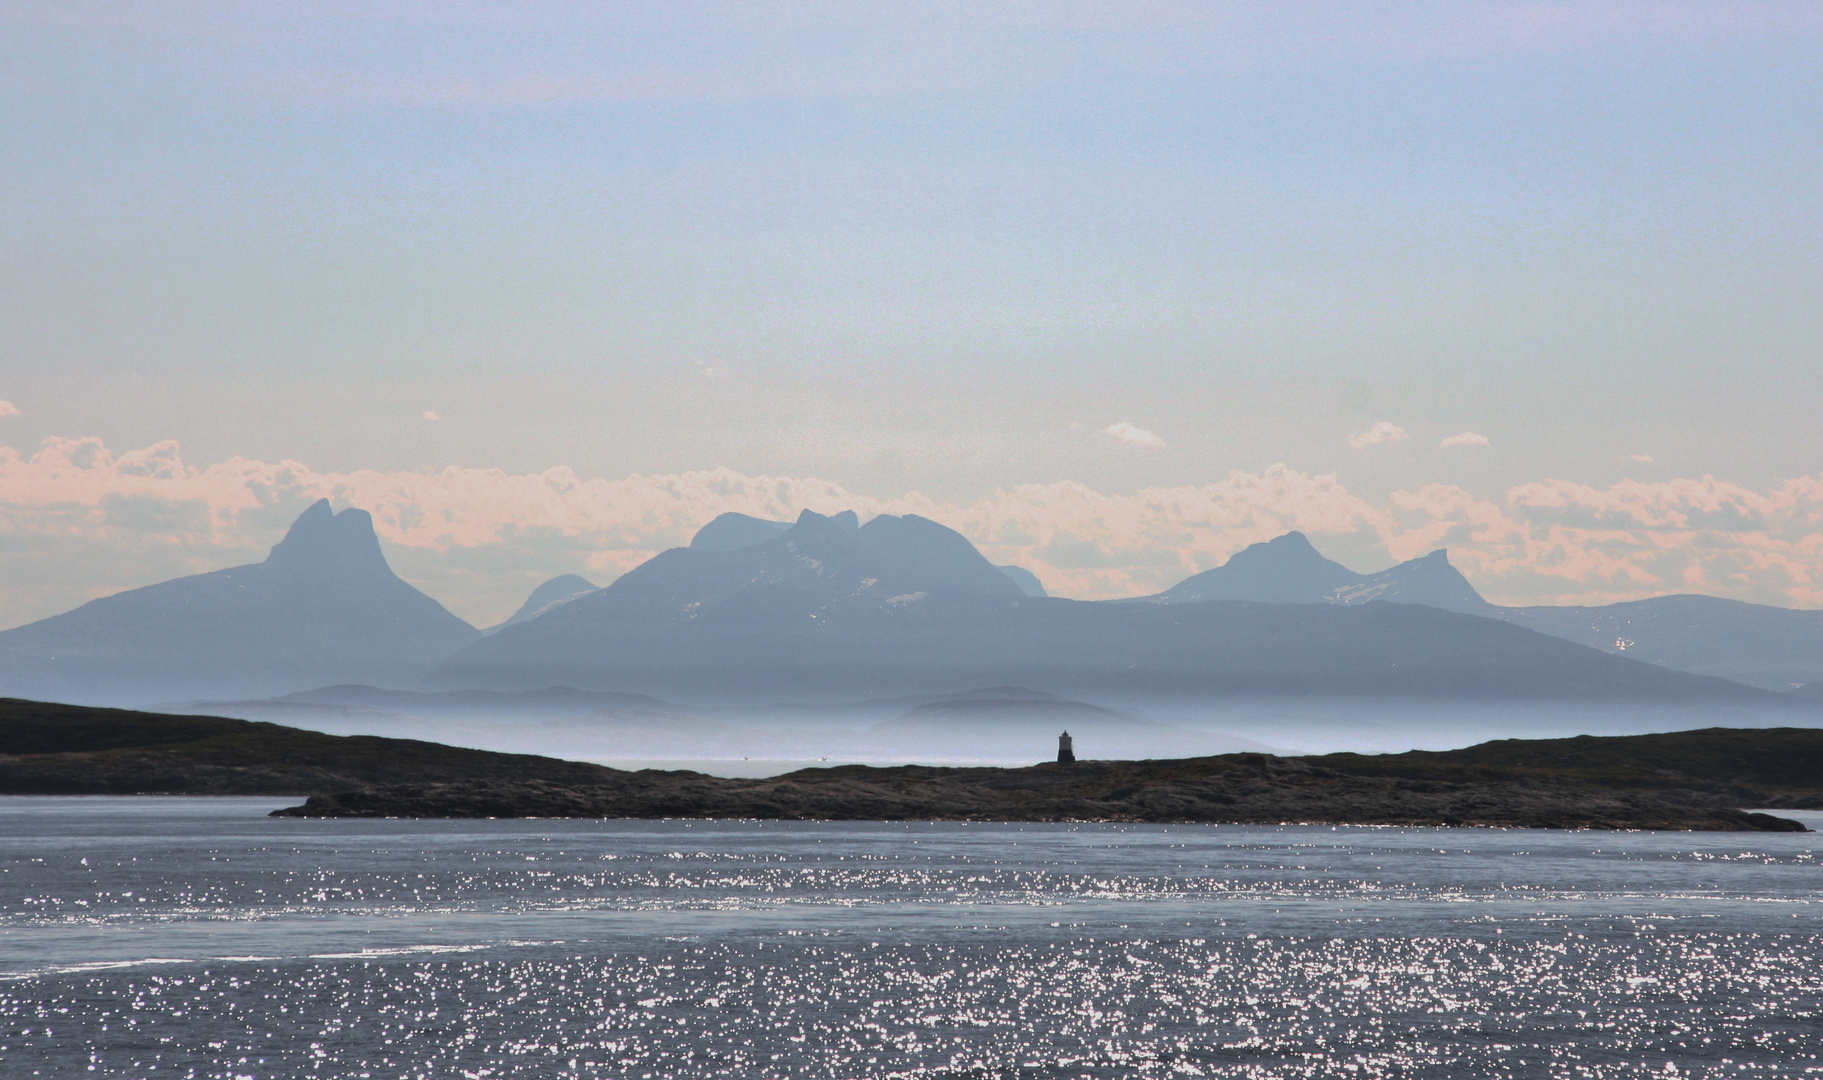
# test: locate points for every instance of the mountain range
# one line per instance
(828, 609)
(1772, 648)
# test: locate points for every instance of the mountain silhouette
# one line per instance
(905, 606)
(559, 590)
(1284, 570)
(731, 531)
(1429, 580)
(324, 607)
(1288, 570)
(1767, 647)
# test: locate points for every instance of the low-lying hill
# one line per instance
(53, 749)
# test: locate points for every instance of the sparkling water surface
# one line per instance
(198, 938)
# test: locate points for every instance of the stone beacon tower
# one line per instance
(1066, 752)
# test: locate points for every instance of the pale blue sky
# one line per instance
(921, 246)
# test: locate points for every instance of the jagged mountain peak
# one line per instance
(1428, 579)
(323, 540)
(322, 608)
(1284, 570)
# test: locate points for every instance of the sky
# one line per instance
(1113, 288)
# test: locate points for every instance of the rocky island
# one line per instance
(1234, 788)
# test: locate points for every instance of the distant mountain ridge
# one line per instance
(829, 609)
(904, 606)
(1288, 570)
(1769, 647)
(1772, 648)
(324, 607)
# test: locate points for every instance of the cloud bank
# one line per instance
(78, 520)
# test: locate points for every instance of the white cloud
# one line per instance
(1465, 438)
(1133, 435)
(431, 416)
(7, 408)
(1643, 459)
(1382, 432)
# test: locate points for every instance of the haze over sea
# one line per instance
(199, 938)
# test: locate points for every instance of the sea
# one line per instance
(192, 938)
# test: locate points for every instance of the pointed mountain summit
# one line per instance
(1284, 570)
(323, 608)
(1429, 580)
(322, 541)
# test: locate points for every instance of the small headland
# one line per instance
(53, 749)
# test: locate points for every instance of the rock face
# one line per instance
(323, 608)
(1288, 570)
(559, 590)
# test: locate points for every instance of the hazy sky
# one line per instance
(1018, 265)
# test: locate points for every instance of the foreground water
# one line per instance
(198, 938)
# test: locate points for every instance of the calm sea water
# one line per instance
(199, 938)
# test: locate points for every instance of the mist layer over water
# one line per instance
(190, 937)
